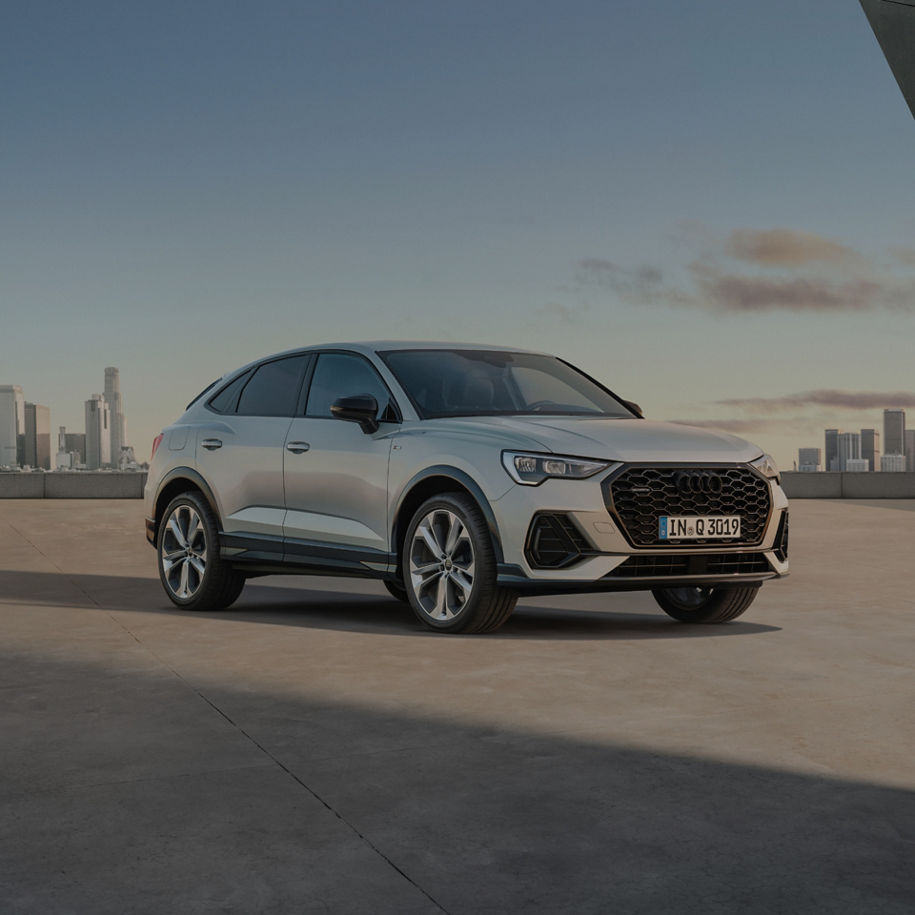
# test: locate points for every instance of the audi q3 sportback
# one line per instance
(461, 476)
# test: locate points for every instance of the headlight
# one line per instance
(533, 469)
(766, 466)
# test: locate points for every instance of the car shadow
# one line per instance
(363, 610)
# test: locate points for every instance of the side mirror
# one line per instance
(635, 408)
(358, 408)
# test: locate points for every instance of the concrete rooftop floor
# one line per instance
(314, 750)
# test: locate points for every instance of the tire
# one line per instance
(397, 590)
(190, 569)
(453, 590)
(705, 605)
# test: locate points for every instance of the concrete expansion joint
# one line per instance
(362, 837)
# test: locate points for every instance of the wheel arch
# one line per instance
(175, 482)
(434, 481)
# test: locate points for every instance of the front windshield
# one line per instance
(443, 382)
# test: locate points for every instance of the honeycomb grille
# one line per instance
(639, 496)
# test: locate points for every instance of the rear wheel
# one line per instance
(705, 605)
(449, 568)
(190, 568)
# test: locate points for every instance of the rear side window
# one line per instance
(342, 375)
(225, 400)
(273, 388)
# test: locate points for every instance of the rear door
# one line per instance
(336, 475)
(240, 453)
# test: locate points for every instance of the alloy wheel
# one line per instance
(441, 564)
(184, 550)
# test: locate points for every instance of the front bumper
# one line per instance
(608, 561)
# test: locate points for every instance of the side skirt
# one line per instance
(273, 555)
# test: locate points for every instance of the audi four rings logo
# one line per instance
(698, 482)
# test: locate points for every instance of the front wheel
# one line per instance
(190, 568)
(705, 605)
(449, 568)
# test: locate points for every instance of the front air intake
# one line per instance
(554, 542)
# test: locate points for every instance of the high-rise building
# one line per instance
(118, 422)
(37, 438)
(870, 448)
(62, 459)
(832, 450)
(894, 431)
(857, 465)
(892, 463)
(12, 424)
(98, 433)
(910, 450)
(76, 443)
(849, 448)
(808, 460)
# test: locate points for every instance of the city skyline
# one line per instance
(861, 451)
(26, 438)
(631, 186)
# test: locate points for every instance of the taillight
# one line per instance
(156, 442)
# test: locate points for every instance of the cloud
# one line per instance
(743, 293)
(568, 314)
(784, 247)
(725, 425)
(640, 285)
(753, 271)
(848, 400)
(904, 255)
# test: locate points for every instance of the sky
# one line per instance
(706, 205)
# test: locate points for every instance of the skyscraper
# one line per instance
(98, 433)
(37, 444)
(832, 450)
(76, 443)
(894, 431)
(12, 424)
(910, 450)
(118, 422)
(808, 460)
(62, 460)
(849, 447)
(870, 448)
(892, 463)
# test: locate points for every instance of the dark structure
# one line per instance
(37, 438)
(893, 22)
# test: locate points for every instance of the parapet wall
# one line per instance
(849, 485)
(80, 485)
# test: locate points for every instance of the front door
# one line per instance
(336, 475)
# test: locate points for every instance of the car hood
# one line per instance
(629, 440)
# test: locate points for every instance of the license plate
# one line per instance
(703, 527)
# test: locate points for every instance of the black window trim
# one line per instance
(306, 387)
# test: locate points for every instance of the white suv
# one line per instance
(462, 476)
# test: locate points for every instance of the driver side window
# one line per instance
(342, 375)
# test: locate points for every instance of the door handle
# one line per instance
(211, 444)
(297, 447)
